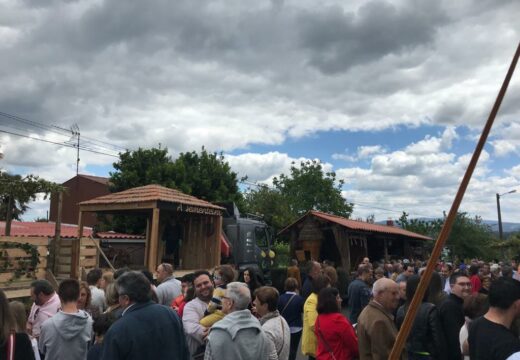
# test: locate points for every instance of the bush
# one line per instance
(282, 254)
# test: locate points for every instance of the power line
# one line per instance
(61, 131)
(57, 143)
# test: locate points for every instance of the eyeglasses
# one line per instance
(217, 277)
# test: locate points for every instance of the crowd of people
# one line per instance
(468, 312)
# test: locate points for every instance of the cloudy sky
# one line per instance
(392, 95)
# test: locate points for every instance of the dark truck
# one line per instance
(249, 239)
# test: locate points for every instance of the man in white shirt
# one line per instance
(98, 296)
(194, 311)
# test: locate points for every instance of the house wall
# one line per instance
(79, 189)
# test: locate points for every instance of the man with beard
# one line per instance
(451, 313)
(46, 304)
(194, 311)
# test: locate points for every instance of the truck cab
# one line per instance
(249, 239)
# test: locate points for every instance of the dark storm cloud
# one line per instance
(338, 40)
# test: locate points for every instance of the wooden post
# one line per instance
(218, 231)
(9, 215)
(154, 241)
(385, 240)
(147, 241)
(446, 228)
(57, 235)
(76, 248)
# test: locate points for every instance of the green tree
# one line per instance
(204, 175)
(429, 228)
(207, 176)
(142, 167)
(308, 187)
(468, 238)
(17, 191)
(271, 204)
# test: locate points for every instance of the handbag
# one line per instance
(11, 342)
(327, 346)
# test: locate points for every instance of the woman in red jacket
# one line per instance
(337, 339)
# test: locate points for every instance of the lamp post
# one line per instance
(500, 232)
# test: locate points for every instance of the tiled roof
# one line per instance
(115, 235)
(360, 225)
(22, 228)
(150, 193)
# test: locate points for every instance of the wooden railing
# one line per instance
(20, 264)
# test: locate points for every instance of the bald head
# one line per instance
(386, 293)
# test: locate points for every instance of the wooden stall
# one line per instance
(22, 260)
(320, 236)
(196, 222)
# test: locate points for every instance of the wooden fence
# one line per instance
(88, 257)
(18, 266)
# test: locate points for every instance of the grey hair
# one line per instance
(240, 294)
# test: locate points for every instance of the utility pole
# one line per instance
(500, 232)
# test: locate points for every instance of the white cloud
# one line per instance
(363, 152)
(263, 168)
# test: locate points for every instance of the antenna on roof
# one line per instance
(74, 129)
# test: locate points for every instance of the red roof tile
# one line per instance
(22, 228)
(360, 225)
(150, 193)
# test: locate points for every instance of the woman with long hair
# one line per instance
(426, 340)
(14, 344)
(252, 279)
(337, 338)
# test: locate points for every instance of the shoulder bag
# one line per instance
(327, 346)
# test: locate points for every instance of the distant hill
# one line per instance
(507, 227)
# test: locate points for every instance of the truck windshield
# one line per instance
(261, 237)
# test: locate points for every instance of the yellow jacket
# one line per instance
(310, 314)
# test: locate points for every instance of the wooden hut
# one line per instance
(321, 236)
(200, 223)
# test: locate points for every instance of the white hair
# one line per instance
(240, 294)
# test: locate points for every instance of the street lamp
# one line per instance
(500, 233)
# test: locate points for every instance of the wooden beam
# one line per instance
(76, 248)
(154, 241)
(218, 230)
(446, 228)
(115, 207)
(57, 234)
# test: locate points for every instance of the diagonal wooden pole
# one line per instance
(441, 240)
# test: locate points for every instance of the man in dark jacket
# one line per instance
(314, 271)
(146, 330)
(451, 313)
(359, 293)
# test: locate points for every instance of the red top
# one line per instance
(339, 335)
(475, 284)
